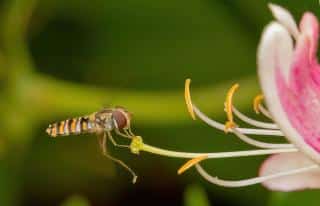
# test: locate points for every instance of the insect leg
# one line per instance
(130, 131)
(103, 145)
(102, 139)
(114, 142)
(126, 135)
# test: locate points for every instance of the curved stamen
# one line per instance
(220, 126)
(200, 157)
(194, 110)
(187, 98)
(265, 112)
(253, 122)
(256, 102)
(190, 163)
(228, 108)
(260, 144)
(258, 106)
(252, 181)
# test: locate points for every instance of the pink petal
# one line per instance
(285, 162)
(309, 26)
(300, 97)
(290, 81)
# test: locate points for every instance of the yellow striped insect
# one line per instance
(101, 123)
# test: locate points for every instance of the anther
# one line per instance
(187, 97)
(256, 102)
(190, 163)
(228, 108)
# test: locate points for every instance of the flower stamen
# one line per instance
(258, 106)
(253, 122)
(220, 126)
(187, 97)
(252, 181)
(257, 102)
(265, 112)
(191, 163)
(228, 108)
(194, 111)
(257, 143)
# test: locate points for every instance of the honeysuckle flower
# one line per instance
(289, 76)
(290, 81)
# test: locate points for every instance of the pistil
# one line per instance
(137, 145)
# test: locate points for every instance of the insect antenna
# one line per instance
(103, 146)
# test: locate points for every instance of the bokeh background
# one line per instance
(60, 59)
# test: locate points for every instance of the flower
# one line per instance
(289, 75)
(290, 81)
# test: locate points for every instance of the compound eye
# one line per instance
(120, 118)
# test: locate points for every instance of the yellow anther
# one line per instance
(228, 108)
(256, 102)
(229, 125)
(187, 98)
(190, 163)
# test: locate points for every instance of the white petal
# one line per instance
(275, 49)
(287, 162)
(284, 17)
(275, 52)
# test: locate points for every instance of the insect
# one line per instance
(101, 123)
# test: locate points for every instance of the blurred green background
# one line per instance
(61, 59)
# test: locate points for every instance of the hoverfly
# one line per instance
(101, 123)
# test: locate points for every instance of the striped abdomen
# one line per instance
(70, 126)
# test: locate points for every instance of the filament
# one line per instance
(229, 108)
(220, 126)
(194, 110)
(257, 143)
(265, 112)
(253, 122)
(251, 181)
(201, 157)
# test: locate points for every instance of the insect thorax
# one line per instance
(104, 119)
(112, 118)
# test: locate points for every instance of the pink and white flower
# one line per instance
(289, 75)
